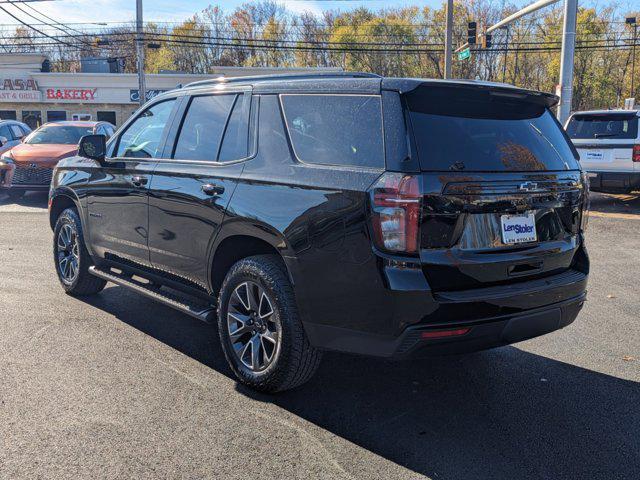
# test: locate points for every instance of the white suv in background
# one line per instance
(608, 142)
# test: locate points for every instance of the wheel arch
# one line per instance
(236, 246)
(59, 201)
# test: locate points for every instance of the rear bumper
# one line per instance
(614, 181)
(480, 334)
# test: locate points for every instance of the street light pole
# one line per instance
(448, 40)
(567, 54)
(142, 90)
(633, 59)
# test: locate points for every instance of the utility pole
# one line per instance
(506, 51)
(142, 90)
(448, 40)
(633, 21)
(567, 54)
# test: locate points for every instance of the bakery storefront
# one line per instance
(34, 97)
(39, 97)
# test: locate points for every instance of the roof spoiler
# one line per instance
(498, 89)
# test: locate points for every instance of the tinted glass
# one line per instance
(8, 115)
(19, 132)
(5, 132)
(236, 135)
(56, 115)
(615, 126)
(58, 134)
(142, 138)
(336, 129)
(107, 117)
(33, 118)
(203, 126)
(457, 129)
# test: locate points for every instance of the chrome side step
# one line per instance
(199, 311)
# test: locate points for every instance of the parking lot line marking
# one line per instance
(624, 216)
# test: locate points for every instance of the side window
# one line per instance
(142, 138)
(236, 135)
(5, 132)
(203, 126)
(18, 132)
(336, 129)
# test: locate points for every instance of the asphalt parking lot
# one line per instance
(119, 387)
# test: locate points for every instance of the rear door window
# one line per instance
(236, 135)
(463, 129)
(203, 127)
(336, 129)
(614, 126)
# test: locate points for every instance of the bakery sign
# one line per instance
(78, 94)
(19, 89)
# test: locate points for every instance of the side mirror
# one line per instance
(93, 147)
(3, 141)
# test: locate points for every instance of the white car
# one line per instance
(608, 142)
(11, 134)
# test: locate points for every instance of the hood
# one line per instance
(48, 154)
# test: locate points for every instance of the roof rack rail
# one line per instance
(280, 76)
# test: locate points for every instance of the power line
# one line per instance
(15, 4)
(32, 27)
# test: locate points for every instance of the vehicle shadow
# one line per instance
(501, 414)
(30, 199)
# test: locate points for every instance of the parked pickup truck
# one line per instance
(608, 142)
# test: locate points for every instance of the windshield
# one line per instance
(458, 129)
(58, 134)
(609, 125)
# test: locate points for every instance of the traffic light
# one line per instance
(472, 32)
(487, 40)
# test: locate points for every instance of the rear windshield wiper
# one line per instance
(603, 135)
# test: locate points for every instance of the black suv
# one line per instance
(348, 212)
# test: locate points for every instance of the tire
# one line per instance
(15, 194)
(288, 363)
(75, 280)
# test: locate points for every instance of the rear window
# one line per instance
(463, 129)
(336, 129)
(610, 125)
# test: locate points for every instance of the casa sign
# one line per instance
(19, 90)
(77, 94)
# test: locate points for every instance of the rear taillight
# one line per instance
(395, 202)
(584, 218)
(636, 153)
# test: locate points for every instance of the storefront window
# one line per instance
(56, 116)
(8, 115)
(33, 118)
(107, 117)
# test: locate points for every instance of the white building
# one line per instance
(30, 95)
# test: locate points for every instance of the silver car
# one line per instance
(11, 134)
(608, 142)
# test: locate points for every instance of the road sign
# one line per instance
(464, 54)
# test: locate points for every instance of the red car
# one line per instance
(29, 165)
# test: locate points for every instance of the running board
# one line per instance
(181, 304)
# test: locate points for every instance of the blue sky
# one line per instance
(68, 11)
(175, 10)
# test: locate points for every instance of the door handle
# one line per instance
(139, 181)
(212, 190)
